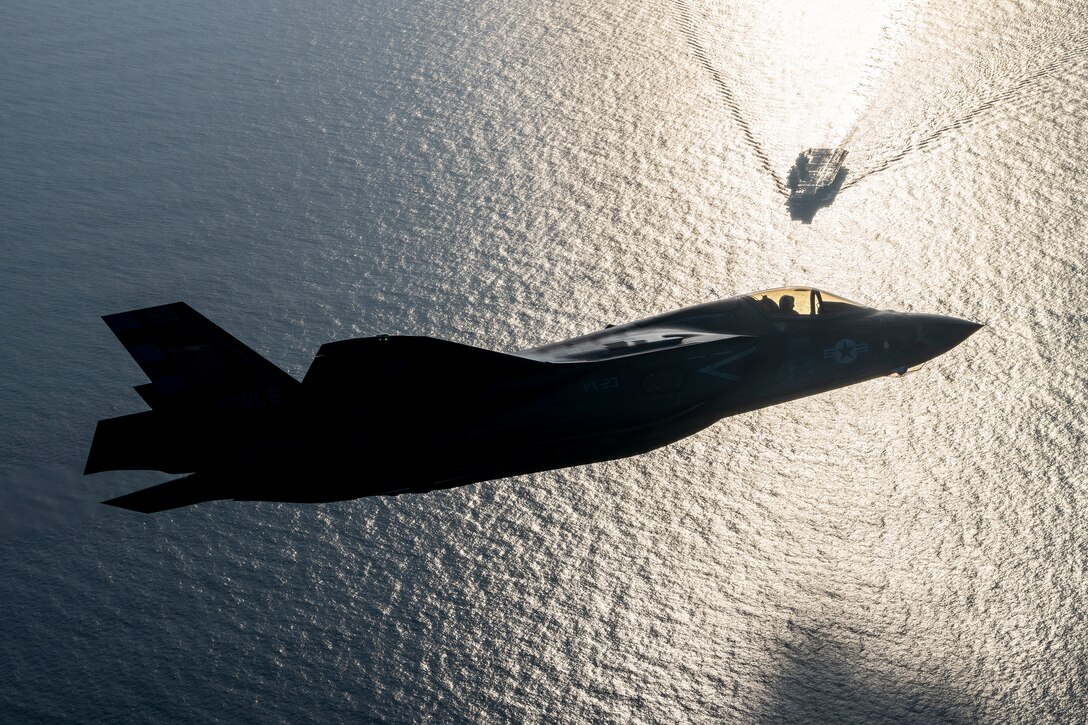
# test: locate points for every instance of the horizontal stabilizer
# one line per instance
(141, 441)
(173, 494)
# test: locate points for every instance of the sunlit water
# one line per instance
(506, 174)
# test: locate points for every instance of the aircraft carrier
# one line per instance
(815, 180)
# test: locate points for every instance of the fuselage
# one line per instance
(613, 393)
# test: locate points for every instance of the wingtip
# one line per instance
(176, 493)
(121, 504)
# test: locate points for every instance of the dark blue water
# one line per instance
(505, 175)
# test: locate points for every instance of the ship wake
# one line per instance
(690, 30)
(1009, 94)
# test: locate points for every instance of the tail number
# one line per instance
(599, 384)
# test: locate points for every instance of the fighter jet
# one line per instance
(388, 415)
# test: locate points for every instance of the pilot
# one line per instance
(785, 305)
(768, 303)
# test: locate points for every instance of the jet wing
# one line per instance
(176, 493)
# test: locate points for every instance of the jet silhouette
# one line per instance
(388, 414)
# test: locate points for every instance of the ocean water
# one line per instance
(505, 174)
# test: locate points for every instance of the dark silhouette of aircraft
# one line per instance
(389, 415)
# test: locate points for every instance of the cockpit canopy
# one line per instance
(803, 301)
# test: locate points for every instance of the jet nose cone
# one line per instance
(941, 333)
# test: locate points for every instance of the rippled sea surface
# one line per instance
(506, 174)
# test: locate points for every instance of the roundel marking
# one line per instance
(846, 351)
